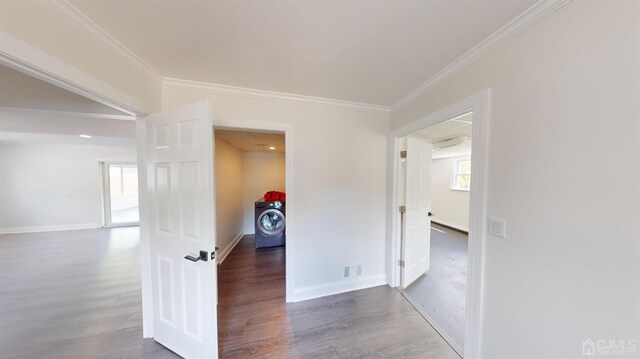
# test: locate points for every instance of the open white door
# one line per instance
(180, 202)
(417, 236)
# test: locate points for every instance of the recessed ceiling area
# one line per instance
(253, 141)
(372, 52)
(32, 110)
(18, 90)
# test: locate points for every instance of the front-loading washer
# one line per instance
(270, 223)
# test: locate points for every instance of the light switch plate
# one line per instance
(498, 227)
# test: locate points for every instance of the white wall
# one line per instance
(229, 193)
(52, 186)
(450, 207)
(262, 172)
(336, 203)
(564, 168)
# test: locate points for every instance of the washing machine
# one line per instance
(270, 223)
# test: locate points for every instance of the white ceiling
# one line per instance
(371, 52)
(252, 141)
(10, 137)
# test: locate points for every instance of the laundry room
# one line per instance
(250, 199)
(248, 166)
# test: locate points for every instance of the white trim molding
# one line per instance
(20, 56)
(93, 30)
(478, 104)
(325, 289)
(222, 255)
(36, 229)
(513, 28)
(242, 92)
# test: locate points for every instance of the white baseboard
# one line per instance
(225, 252)
(249, 231)
(35, 229)
(347, 285)
(450, 225)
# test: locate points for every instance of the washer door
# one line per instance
(271, 222)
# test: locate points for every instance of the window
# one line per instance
(462, 174)
(121, 194)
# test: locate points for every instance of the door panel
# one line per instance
(417, 235)
(179, 151)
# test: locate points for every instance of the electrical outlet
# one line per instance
(346, 271)
(359, 269)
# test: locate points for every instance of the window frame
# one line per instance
(456, 174)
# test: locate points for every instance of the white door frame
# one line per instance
(147, 304)
(240, 124)
(479, 104)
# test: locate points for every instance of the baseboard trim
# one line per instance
(323, 290)
(450, 225)
(36, 229)
(448, 338)
(225, 252)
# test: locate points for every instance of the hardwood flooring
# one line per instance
(255, 322)
(76, 294)
(73, 294)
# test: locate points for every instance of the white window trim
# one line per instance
(454, 186)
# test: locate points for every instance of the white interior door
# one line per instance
(417, 229)
(180, 202)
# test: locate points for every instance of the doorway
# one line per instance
(178, 233)
(120, 194)
(478, 105)
(437, 290)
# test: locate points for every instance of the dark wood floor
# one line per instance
(76, 294)
(255, 321)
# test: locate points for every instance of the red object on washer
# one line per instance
(272, 196)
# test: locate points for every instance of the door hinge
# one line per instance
(402, 209)
(403, 154)
(401, 263)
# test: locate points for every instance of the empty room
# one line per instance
(319, 179)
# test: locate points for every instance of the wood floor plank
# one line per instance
(76, 294)
(255, 322)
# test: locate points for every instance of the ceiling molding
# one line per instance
(224, 90)
(29, 60)
(93, 30)
(530, 17)
(86, 115)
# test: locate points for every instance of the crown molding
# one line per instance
(27, 59)
(530, 17)
(225, 90)
(97, 33)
